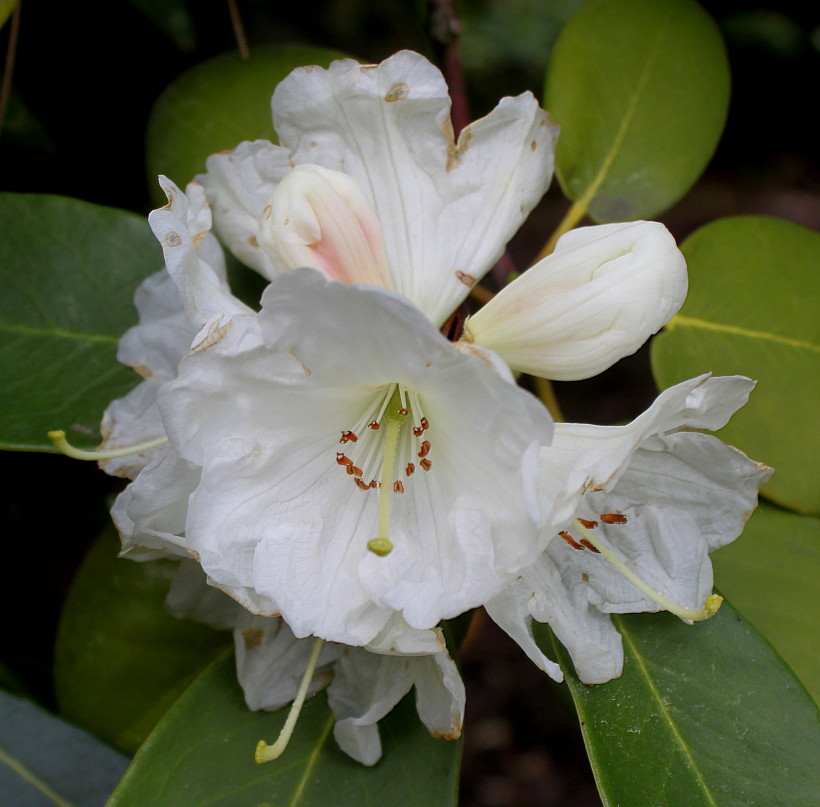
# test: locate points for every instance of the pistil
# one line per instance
(61, 444)
(267, 753)
(710, 606)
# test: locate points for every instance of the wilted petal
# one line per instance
(602, 293)
(319, 218)
(446, 209)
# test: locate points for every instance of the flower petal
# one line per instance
(446, 209)
(150, 513)
(602, 293)
(239, 185)
(180, 227)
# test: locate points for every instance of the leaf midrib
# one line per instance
(680, 320)
(28, 330)
(29, 776)
(664, 710)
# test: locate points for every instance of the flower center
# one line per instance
(597, 544)
(387, 445)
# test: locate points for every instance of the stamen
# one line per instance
(426, 464)
(590, 525)
(381, 545)
(710, 606)
(613, 518)
(570, 540)
(267, 753)
(61, 444)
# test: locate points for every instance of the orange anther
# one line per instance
(426, 464)
(424, 450)
(590, 525)
(343, 460)
(570, 540)
(613, 518)
(410, 468)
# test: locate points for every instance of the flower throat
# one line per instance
(390, 441)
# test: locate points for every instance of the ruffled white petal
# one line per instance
(366, 687)
(150, 513)
(239, 185)
(602, 293)
(277, 516)
(446, 209)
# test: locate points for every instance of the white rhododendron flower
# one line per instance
(643, 505)
(375, 157)
(344, 472)
(597, 298)
(349, 462)
(363, 684)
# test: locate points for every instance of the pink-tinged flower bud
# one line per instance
(319, 218)
(602, 293)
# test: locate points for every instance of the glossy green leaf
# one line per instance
(45, 762)
(216, 105)
(703, 716)
(641, 91)
(69, 270)
(6, 7)
(770, 574)
(121, 659)
(754, 294)
(202, 754)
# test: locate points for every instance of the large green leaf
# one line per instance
(45, 762)
(69, 270)
(641, 91)
(202, 754)
(770, 574)
(121, 659)
(216, 105)
(703, 716)
(754, 294)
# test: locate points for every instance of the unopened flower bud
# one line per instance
(320, 218)
(602, 293)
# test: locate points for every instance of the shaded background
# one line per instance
(85, 79)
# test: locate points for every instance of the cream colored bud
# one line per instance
(320, 218)
(602, 293)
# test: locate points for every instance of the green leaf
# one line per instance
(641, 92)
(703, 716)
(216, 105)
(202, 754)
(6, 7)
(770, 574)
(69, 270)
(120, 658)
(754, 293)
(44, 762)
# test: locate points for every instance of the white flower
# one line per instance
(597, 298)
(377, 140)
(655, 498)
(346, 462)
(363, 684)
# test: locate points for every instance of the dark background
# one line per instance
(85, 78)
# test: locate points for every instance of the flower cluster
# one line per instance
(342, 471)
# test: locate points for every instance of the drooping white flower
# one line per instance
(646, 501)
(374, 152)
(363, 684)
(597, 298)
(350, 462)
